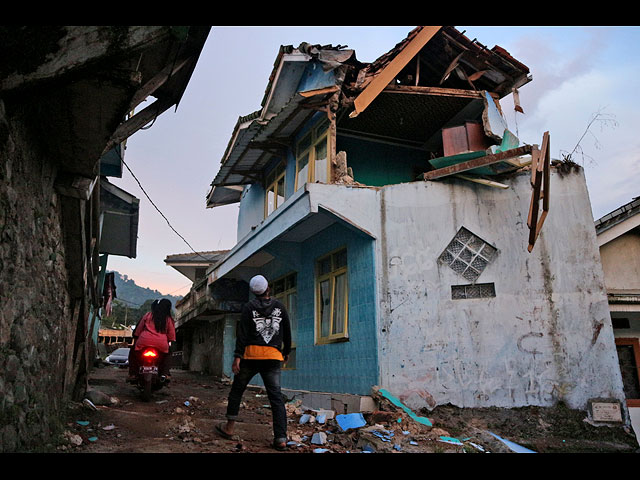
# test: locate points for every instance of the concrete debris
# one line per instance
(73, 438)
(319, 438)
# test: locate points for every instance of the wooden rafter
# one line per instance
(386, 76)
(540, 179)
(157, 81)
(139, 120)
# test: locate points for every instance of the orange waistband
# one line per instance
(260, 352)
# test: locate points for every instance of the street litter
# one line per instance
(84, 423)
(109, 427)
(398, 403)
(478, 447)
(453, 441)
(88, 403)
(350, 420)
(319, 438)
(73, 438)
(306, 418)
(320, 450)
(384, 435)
(513, 446)
(93, 439)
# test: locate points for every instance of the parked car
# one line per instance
(120, 357)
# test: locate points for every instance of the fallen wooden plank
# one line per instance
(477, 162)
(540, 180)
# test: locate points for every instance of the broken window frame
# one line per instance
(288, 295)
(275, 178)
(338, 269)
(635, 344)
(307, 147)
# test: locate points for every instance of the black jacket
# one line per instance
(264, 322)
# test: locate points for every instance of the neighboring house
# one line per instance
(389, 206)
(200, 334)
(619, 241)
(70, 96)
(112, 336)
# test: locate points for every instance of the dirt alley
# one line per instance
(182, 417)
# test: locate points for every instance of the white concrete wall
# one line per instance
(547, 334)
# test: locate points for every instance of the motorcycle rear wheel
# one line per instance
(146, 389)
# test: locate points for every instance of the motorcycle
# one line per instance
(148, 378)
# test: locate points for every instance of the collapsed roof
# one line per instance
(434, 78)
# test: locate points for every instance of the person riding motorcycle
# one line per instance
(155, 329)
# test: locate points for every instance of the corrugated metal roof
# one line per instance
(618, 215)
(244, 160)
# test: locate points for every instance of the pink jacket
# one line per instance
(147, 336)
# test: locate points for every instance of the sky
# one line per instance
(583, 92)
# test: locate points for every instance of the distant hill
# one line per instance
(135, 295)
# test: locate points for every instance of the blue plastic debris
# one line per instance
(413, 442)
(513, 446)
(350, 420)
(321, 418)
(453, 441)
(320, 450)
(397, 447)
(93, 439)
(84, 423)
(385, 437)
(305, 418)
(398, 403)
(368, 449)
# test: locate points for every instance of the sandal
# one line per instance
(280, 446)
(220, 431)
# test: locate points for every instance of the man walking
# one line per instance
(263, 341)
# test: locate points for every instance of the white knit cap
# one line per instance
(258, 284)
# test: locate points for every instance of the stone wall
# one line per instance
(36, 326)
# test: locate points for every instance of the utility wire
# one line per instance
(156, 207)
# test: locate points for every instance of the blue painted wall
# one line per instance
(379, 164)
(346, 367)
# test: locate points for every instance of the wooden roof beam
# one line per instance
(386, 76)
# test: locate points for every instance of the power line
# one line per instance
(156, 207)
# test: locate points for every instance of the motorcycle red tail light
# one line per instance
(149, 353)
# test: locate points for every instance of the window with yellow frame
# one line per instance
(274, 196)
(332, 297)
(285, 290)
(312, 163)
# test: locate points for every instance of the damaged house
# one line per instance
(418, 244)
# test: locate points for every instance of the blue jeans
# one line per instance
(269, 370)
